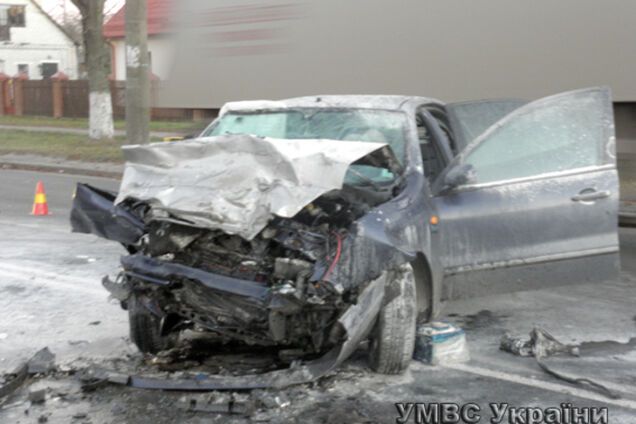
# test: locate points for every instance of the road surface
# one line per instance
(50, 295)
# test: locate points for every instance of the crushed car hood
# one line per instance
(236, 183)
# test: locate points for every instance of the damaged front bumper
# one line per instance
(231, 308)
(356, 323)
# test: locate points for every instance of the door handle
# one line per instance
(589, 195)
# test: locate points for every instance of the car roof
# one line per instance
(331, 101)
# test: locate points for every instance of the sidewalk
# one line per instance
(51, 164)
(81, 131)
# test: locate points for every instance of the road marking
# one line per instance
(58, 282)
(52, 176)
(617, 387)
(545, 385)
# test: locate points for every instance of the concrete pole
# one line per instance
(137, 73)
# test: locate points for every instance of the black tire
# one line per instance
(393, 337)
(145, 328)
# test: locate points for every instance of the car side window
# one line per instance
(555, 134)
(432, 157)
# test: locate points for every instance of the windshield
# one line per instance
(350, 125)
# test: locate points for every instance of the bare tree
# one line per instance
(97, 59)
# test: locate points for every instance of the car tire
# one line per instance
(393, 337)
(145, 328)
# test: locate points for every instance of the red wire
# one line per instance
(336, 258)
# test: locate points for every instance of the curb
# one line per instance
(60, 170)
(627, 219)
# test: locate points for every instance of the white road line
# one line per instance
(617, 387)
(545, 385)
(59, 283)
(33, 270)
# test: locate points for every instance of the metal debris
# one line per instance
(541, 345)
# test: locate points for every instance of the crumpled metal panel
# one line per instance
(93, 212)
(236, 183)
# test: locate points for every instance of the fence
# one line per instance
(75, 98)
(70, 99)
(37, 97)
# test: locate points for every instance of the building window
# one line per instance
(23, 69)
(17, 16)
(48, 69)
(12, 16)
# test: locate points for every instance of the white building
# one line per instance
(32, 43)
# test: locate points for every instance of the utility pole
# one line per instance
(137, 73)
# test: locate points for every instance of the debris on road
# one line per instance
(37, 396)
(230, 404)
(42, 362)
(541, 345)
(440, 343)
(9, 383)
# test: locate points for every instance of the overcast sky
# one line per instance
(56, 7)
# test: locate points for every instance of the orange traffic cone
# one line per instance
(40, 207)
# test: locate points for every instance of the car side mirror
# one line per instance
(459, 175)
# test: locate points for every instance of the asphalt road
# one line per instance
(50, 295)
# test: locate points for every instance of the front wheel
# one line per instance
(145, 328)
(393, 337)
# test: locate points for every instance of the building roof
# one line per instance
(158, 18)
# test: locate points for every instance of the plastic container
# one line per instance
(440, 343)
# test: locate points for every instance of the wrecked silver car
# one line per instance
(314, 223)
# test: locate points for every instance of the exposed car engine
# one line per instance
(290, 257)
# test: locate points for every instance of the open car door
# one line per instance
(533, 201)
